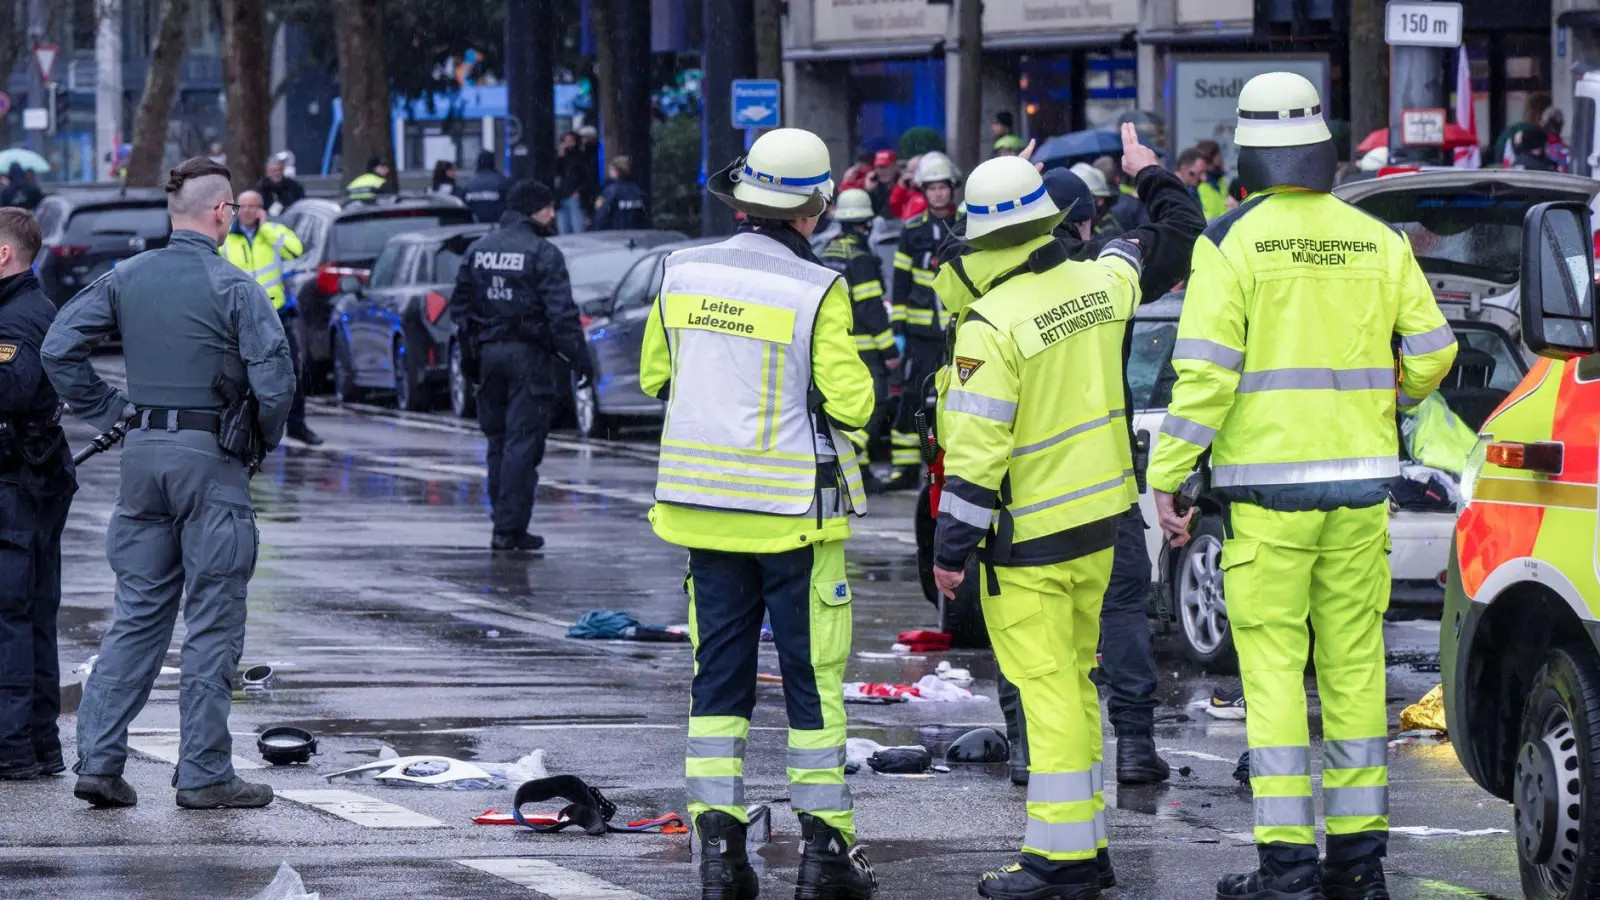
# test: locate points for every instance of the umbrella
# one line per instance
(1079, 143)
(23, 157)
(1454, 136)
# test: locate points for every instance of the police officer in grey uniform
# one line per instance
(184, 529)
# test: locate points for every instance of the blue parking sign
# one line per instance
(756, 103)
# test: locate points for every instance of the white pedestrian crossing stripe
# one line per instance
(552, 880)
(361, 809)
(165, 747)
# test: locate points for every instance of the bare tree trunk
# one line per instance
(155, 107)
(245, 75)
(966, 63)
(363, 83)
(1368, 71)
(608, 90)
(769, 38)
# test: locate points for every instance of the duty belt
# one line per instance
(158, 419)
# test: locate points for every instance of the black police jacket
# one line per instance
(485, 195)
(513, 286)
(28, 402)
(622, 205)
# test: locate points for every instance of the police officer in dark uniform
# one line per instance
(184, 530)
(515, 299)
(850, 255)
(917, 313)
(485, 193)
(36, 486)
(622, 204)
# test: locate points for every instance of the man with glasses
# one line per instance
(261, 248)
(184, 529)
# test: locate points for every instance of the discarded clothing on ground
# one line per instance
(286, 886)
(901, 760)
(586, 808)
(612, 625)
(923, 641)
(929, 689)
(1425, 713)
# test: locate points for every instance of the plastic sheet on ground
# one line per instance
(286, 886)
(1425, 713)
(1428, 831)
(929, 689)
(439, 772)
(947, 672)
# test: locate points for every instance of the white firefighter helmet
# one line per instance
(1007, 203)
(1094, 178)
(786, 175)
(934, 166)
(1280, 109)
(853, 205)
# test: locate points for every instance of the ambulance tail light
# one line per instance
(1543, 457)
(1473, 469)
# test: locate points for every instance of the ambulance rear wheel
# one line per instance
(1556, 781)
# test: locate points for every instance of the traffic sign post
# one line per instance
(36, 118)
(1422, 24)
(757, 103)
(44, 56)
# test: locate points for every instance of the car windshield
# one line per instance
(133, 221)
(1149, 357)
(602, 270)
(1472, 230)
(362, 237)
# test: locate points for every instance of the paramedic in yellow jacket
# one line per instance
(1040, 475)
(1285, 371)
(749, 344)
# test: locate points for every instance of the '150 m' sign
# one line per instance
(1422, 24)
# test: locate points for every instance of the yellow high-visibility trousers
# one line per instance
(1279, 570)
(1044, 622)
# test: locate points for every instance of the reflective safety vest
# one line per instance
(364, 186)
(740, 432)
(263, 258)
(1213, 198)
(1037, 459)
(1284, 359)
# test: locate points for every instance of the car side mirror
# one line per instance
(1558, 309)
(349, 284)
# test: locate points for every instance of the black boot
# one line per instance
(1016, 730)
(515, 541)
(829, 868)
(1360, 880)
(105, 791)
(1033, 877)
(725, 872)
(50, 761)
(1102, 867)
(1273, 881)
(235, 793)
(1138, 762)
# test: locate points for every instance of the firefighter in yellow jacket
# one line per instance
(1041, 477)
(749, 344)
(261, 248)
(1286, 372)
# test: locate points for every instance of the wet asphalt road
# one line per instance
(392, 626)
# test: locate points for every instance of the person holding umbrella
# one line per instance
(22, 191)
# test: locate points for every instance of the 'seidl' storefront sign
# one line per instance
(854, 21)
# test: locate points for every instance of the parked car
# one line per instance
(1520, 650)
(86, 233)
(343, 239)
(393, 334)
(1465, 227)
(615, 338)
(596, 261)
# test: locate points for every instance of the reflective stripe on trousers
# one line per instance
(714, 761)
(1355, 784)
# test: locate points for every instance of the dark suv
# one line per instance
(86, 233)
(343, 239)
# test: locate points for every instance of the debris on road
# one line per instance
(284, 745)
(980, 745)
(923, 641)
(1425, 713)
(1427, 737)
(259, 678)
(613, 625)
(946, 672)
(423, 771)
(901, 760)
(1428, 831)
(286, 886)
(929, 689)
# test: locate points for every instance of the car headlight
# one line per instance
(1473, 469)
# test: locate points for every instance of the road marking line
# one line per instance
(365, 811)
(165, 747)
(552, 880)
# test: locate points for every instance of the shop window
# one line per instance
(894, 95)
